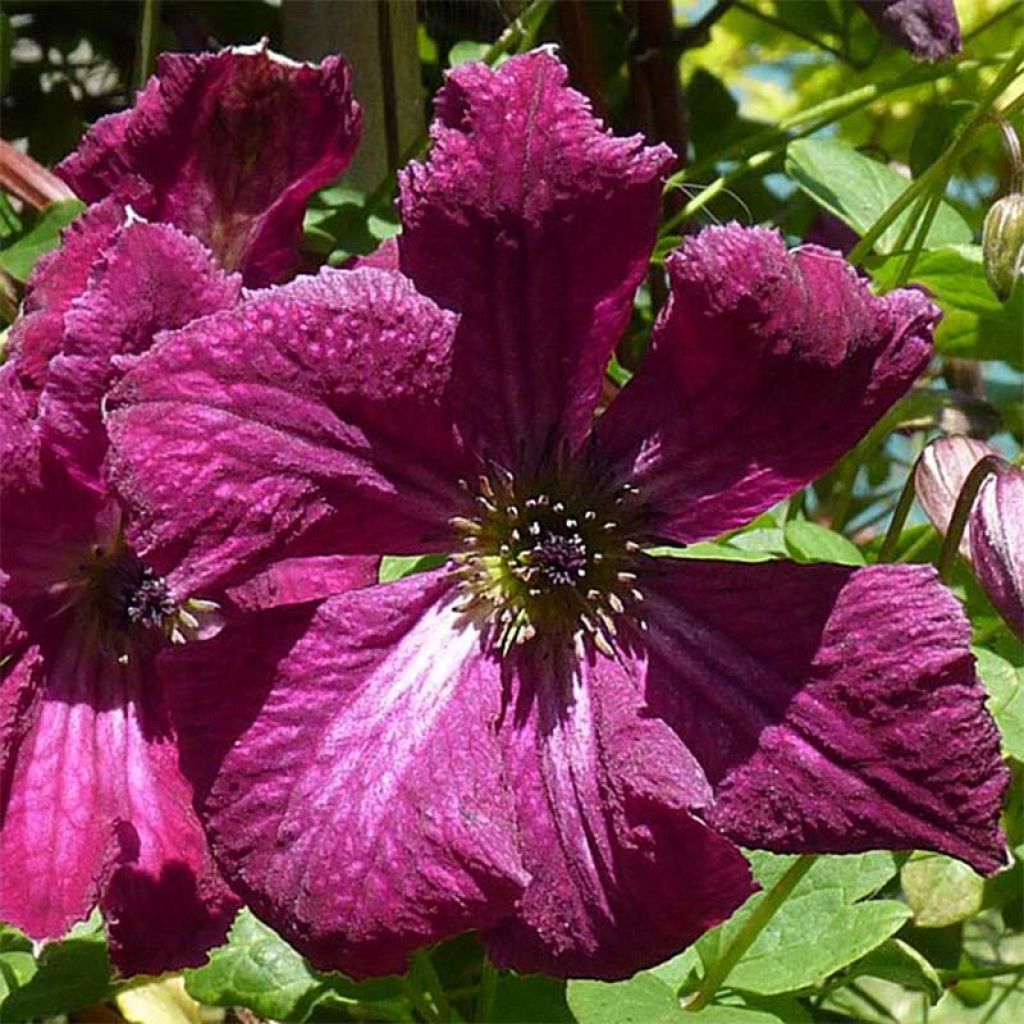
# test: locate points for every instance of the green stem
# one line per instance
(924, 226)
(961, 512)
(917, 547)
(522, 30)
(899, 519)
(488, 990)
(425, 974)
(934, 179)
(952, 977)
(793, 30)
(765, 910)
(149, 26)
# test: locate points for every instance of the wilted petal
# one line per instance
(535, 224)
(927, 29)
(834, 709)
(765, 367)
(351, 781)
(228, 147)
(57, 280)
(623, 873)
(152, 278)
(939, 476)
(997, 543)
(317, 409)
(97, 811)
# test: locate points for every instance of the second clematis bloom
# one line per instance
(229, 147)
(554, 738)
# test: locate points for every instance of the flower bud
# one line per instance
(997, 543)
(1002, 242)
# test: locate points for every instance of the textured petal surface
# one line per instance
(351, 778)
(297, 580)
(766, 366)
(151, 278)
(623, 874)
(315, 408)
(997, 543)
(834, 710)
(928, 29)
(97, 811)
(535, 224)
(940, 474)
(228, 147)
(59, 278)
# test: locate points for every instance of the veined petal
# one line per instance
(58, 278)
(96, 811)
(834, 709)
(766, 366)
(939, 476)
(228, 147)
(151, 278)
(997, 543)
(314, 412)
(353, 788)
(623, 872)
(535, 224)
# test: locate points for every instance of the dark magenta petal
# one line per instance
(97, 811)
(834, 709)
(765, 367)
(297, 580)
(535, 224)
(314, 410)
(228, 147)
(351, 780)
(928, 29)
(57, 280)
(623, 874)
(997, 543)
(151, 278)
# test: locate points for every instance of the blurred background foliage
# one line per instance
(735, 86)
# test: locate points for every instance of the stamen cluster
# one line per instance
(551, 557)
(125, 602)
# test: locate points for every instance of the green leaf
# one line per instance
(1005, 685)
(646, 999)
(20, 258)
(531, 997)
(858, 190)
(66, 975)
(712, 549)
(976, 325)
(820, 929)
(397, 567)
(899, 962)
(466, 50)
(259, 970)
(810, 542)
(940, 890)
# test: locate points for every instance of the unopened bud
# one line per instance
(1002, 243)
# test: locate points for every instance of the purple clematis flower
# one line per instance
(93, 806)
(555, 738)
(228, 147)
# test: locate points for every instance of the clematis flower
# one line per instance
(93, 807)
(555, 738)
(993, 537)
(928, 30)
(228, 147)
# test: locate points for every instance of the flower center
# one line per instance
(549, 558)
(126, 604)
